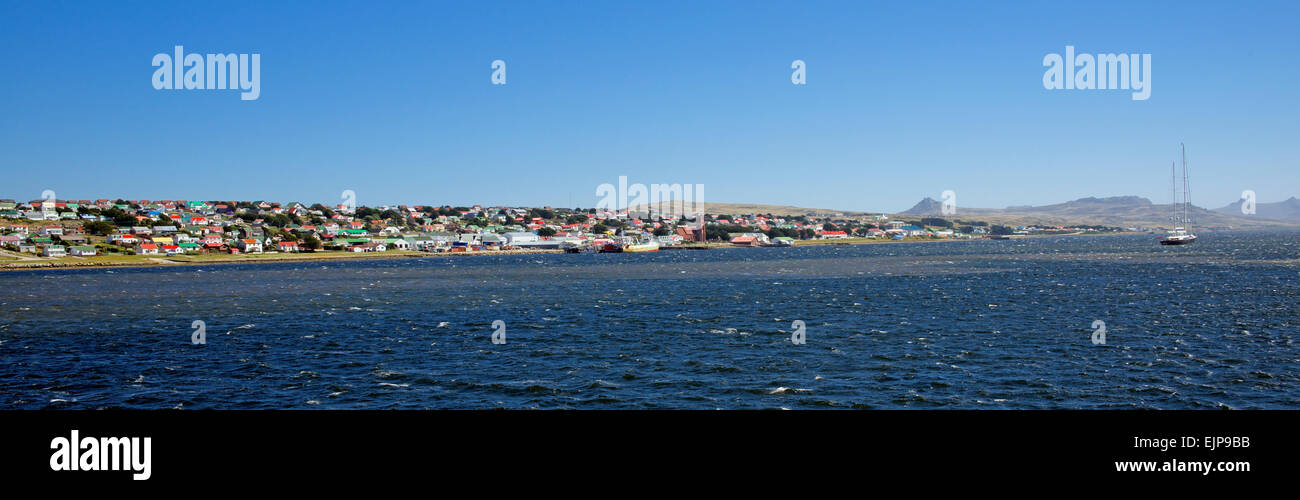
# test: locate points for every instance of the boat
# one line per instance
(578, 247)
(644, 245)
(1179, 235)
(606, 245)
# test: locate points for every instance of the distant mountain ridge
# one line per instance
(1123, 211)
(1285, 210)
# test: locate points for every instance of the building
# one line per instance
(250, 246)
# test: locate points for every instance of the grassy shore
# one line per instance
(10, 261)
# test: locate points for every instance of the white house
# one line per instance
(54, 251)
(521, 237)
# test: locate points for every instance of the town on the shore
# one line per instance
(84, 228)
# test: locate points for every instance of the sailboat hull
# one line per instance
(1178, 241)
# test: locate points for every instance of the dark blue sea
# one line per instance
(979, 324)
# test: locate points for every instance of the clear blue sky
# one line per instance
(394, 101)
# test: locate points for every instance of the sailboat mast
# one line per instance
(1186, 194)
(1173, 190)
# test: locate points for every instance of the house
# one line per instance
(250, 246)
(54, 251)
(397, 244)
(368, 247)
(171, 250)
(149, 249)
(910, 230)
(52, 230)
(123, 239)
(288, 246)
(516, 238)
(83, 251)
(422, 243)
(834, 235)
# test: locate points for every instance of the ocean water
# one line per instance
(980, 324)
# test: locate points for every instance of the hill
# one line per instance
(1286, 210)
(1110, 211)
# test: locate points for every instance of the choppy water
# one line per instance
(983, 324)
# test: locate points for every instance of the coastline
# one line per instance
(138, 261)
(141, 261)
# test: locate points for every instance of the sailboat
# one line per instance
(1180, 235)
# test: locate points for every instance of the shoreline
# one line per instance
(140, 261)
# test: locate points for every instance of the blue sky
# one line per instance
(394, 101)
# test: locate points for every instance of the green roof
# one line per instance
(188, 244)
